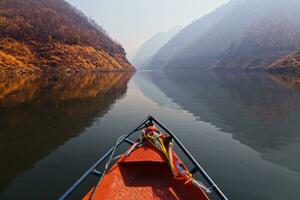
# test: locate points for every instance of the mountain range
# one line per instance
(151, 46)
(52, 35)
(242, 34)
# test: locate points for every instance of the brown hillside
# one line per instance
(39, 35)
(287, 63)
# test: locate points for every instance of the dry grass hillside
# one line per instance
(288, 63)
(42, 35)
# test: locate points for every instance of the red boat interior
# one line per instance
(144, 175)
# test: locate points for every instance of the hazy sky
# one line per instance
(131, 22)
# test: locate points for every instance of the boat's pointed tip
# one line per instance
(150, 117)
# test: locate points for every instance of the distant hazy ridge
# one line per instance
(243, 34)
(151, 46)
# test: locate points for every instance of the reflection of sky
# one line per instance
(261, 154)
(241, 170)
(132, 22)
(231, 103)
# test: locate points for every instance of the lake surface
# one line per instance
(243, 128)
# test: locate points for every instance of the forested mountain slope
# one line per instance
(42, 35)
(246, 34)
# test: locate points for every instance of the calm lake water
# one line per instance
(243, 128)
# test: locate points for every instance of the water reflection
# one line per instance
(291, 81)
(37, 114)
(261, 111)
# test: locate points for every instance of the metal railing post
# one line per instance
(105, 156)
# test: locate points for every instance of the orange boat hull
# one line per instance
(143, 175)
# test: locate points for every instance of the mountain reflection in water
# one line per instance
(243, 128)
(38, 114)
(259, 110)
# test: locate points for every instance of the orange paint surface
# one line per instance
(144, 175)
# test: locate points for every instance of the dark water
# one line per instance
(243, 128)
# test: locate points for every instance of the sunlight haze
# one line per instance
(132, 22)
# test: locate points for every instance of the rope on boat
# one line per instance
(163, 142)
(129, 151)
(152, 135)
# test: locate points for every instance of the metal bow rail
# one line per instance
(196, 166)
